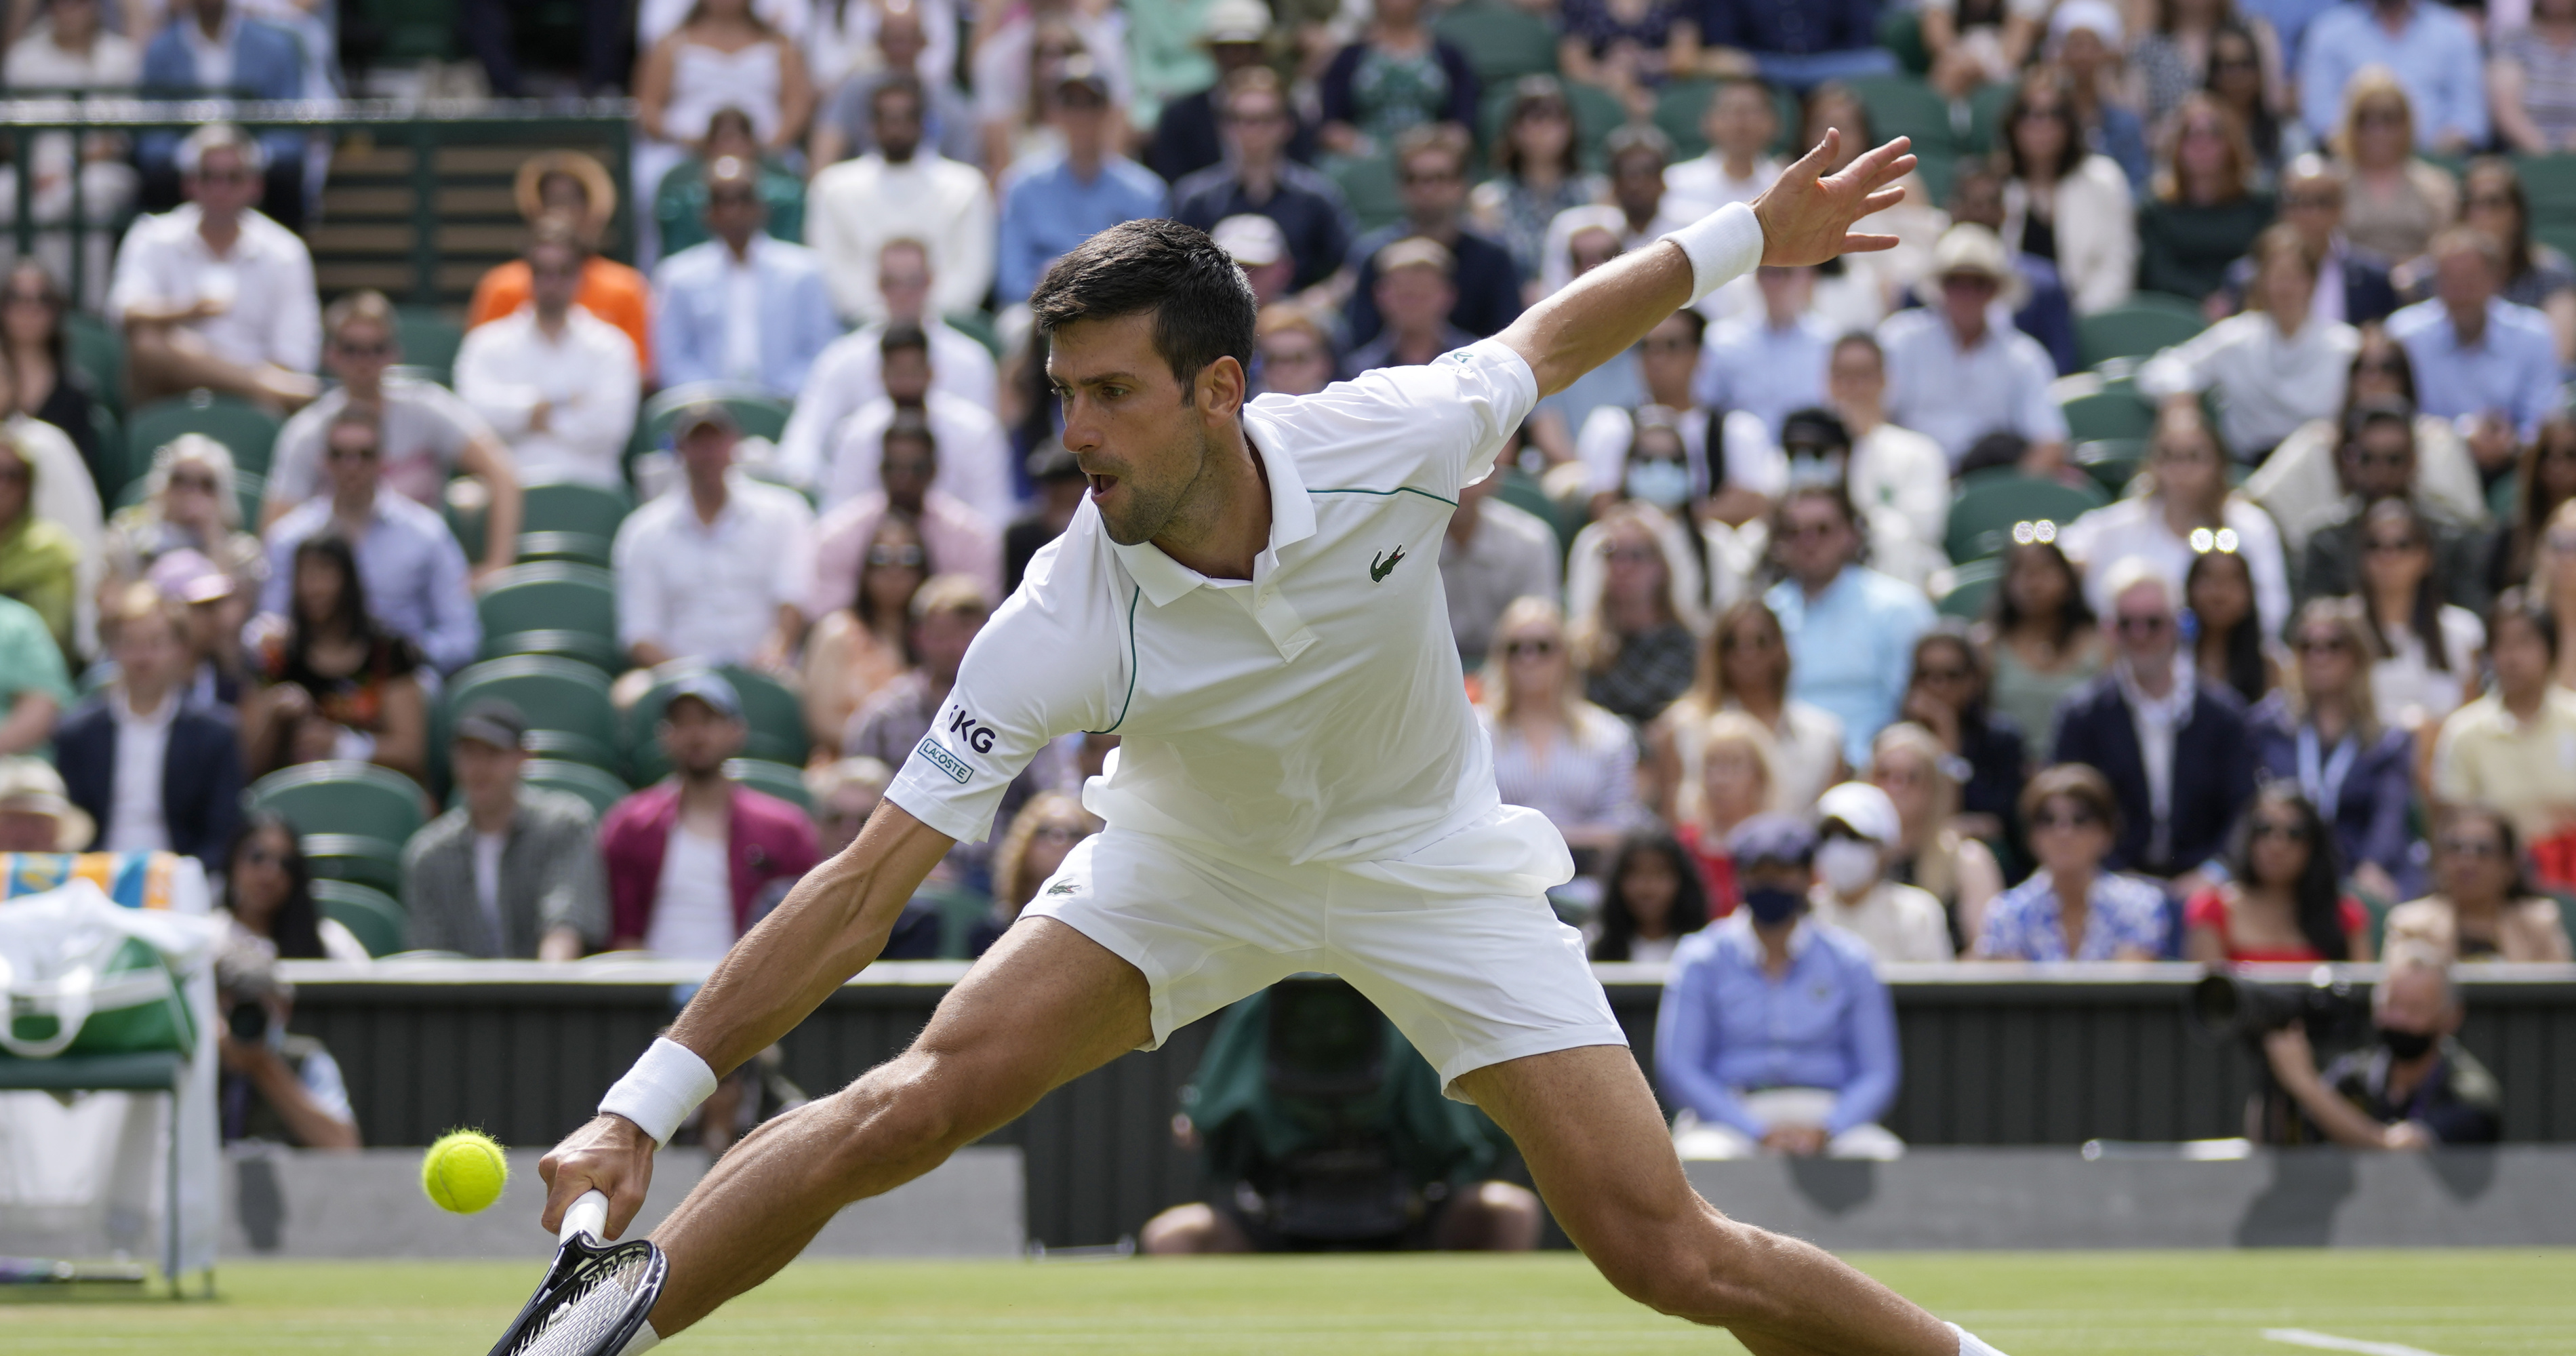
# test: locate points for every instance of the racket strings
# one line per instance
(591, 1308)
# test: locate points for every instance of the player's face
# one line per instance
(1147, 445)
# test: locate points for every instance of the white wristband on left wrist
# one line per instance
(665, 1085)
(1722, 247)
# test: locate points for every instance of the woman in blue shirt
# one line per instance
(2070, 908)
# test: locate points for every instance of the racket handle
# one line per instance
(588, 1215)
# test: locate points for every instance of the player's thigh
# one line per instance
(1043, 1007)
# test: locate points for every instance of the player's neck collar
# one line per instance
(1292, 520)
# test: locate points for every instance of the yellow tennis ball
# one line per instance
(464, 1172)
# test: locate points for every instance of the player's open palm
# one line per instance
(1807, 215)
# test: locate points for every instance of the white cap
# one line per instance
(1862, 808)
(2097, 15)
(1251, 239)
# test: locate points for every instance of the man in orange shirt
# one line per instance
(571, 184)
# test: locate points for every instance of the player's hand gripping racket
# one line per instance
(595, 1297)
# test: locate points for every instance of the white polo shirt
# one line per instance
(1314, 713)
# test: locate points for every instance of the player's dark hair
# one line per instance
(1202, 305)
(903, 334)
(1618, 923)
(2317, 895)
(296, 927)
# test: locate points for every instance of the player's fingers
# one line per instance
(1856, 243)
(1883, 164)
(1882, 200)
(561, 1191)
(1811, 166)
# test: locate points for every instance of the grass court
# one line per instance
(2450, 1302)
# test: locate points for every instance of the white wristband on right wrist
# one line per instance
(1722, 247)
(661, 1090)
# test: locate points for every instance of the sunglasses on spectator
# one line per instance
(2149, 624)
(382, 348)
(2323, 645)
(350, 454)
(1808, 531)
(2381, 117)
(2070, 819)
(1412, 177)
(203, 484)
(2388, 461)
(2273, 828)
(1944, 674)
(1759, 640)
(2490, 200)
(1056, 833)
(1628, 555)
(22, 298)
(2389, 546)
(896, 557)
(1528, 649)
(733, 197)
(1669, 345)
(2473, 847)
(2234, 63)
(262, 857)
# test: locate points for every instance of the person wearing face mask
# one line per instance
(1729, 453)
(1774, 1035)
(2414, 1088)
(1856, 828)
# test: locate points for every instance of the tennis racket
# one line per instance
(595, 1297)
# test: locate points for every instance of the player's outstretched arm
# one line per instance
(1805, 217)
(828, 928)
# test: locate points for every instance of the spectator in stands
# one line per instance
(2424, 650)
(1537, 174)
(1061, 488)
(2171, 745)
(188, 504)
(845, 792)
(2544, 481)
(2284, 901)
(1740, 123)
(1856, 830)
(156, 774)
(1771, 361)
(1056, 200)
(1628, 50)
(429, 433)
(1891, 469)
(2306, 482)
(910, 42)
(680, 204)
(1236, 34)
(1579, 240)
(958, 540)
(2489, 907)
(2205, 211)
(704, 331)
(1851, 630)
(571, 185)
(1636, 155)
(2531, 81)
(2071, 908)
(35, 689)
(1981, 42)
(214, 293)
(1555, 752)
(2276, 365)
(272, 1085)
(1957, 369)
(2039, 640)
(1294, 355)
(1492, 554)
(1738, 780)
(1396, 75)
(2182, 507)
(1415, 289)
(2416, 1089)
(2515, 748)
(2426, 53)
(35, 814)
(2045, 312)
(1257, 176)
(2322, 734)
(1796, 46)
(417, 577)
(2536, 274)
(724, 54)
(1651, 898)
(1041, 836)
(850, 371)
(2087, 41)
(688, 858)
(2480, 360)
(2379, 462)
(2176, 56)
(2397, 201)
(1945, 693)
(40, 562)
(1016, 51)
(2232, 648)
(1633, 639)
(265, 888)
(2353, 285)
(861, 645)
(946, 614)
(2553, 579)
(2240, 79)
(556, 382)
(216, 673)
(513, 872)
(974, 455)
(1257, 245)
(1431, 174)
(902, 190)
(341, 684)
(228, 53)
(1732, 485)
(49, 387)
(1930, 851)
(2064, 203)
(64, 493)
(1774, 1035)
(717, 571)
(1743, 668)
(65, 48)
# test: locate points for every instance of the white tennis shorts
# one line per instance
(1455, 943)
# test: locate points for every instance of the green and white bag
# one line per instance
(80, 975)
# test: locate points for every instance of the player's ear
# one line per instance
(1218, 389)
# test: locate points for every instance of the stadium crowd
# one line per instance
(1910, 609)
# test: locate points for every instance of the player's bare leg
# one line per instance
(1045, 1006)
(1603, 1159)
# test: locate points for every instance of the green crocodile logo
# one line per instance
(1384, 564)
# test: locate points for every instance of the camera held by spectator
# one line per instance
(2415, 1088)
(275, 1086)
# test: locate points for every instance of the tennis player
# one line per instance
(1251, 601)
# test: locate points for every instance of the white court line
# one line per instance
(2301, 1337)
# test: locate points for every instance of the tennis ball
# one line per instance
(464, 1172)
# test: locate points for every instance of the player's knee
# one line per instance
(1717, 1272)
(895, 1113)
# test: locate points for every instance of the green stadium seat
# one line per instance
(600, 789)
(1678, 109)
(429, 341)
(959, 908)
(1986, 105)
(1368, 185)
(566, 704)
(573, 507)
(1987, 506)
(553, 607)
(248, 431)
(2136, 328)
(1904, 105)
(2112, 462)
(772, 779)
(774, 715)
(372, 916)
(343, 797)
(2550, 182)
(372, 862)
(2109, 414)
(1900, 31)
(1971, 585)
(96, 351)
(1501, 40)
(977, 326)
